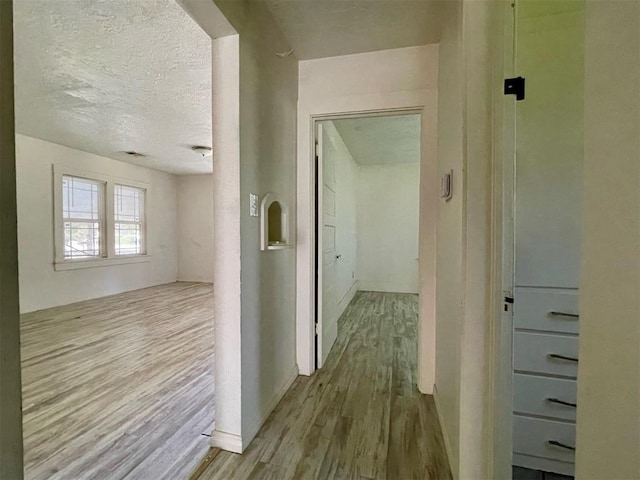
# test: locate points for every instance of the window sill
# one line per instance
(99, 262)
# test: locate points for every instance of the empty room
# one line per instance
(115, 207)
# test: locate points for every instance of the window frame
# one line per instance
(142, 222)
(108, 240)
(101, 220)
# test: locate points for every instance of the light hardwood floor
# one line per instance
(360, 417)
(119, 387)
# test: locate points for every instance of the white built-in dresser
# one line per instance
(548, 189)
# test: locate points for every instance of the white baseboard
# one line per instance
(364, 287)
(226, 441)
(257, 422)
(346, 299)
(425, 389)
(231, 442)
(443, 427)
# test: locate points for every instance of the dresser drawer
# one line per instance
(544, 309)
(538, 352)
(543, 396)
(532, 436)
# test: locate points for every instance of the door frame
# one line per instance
(499, 445)
(318, 207)
(422, 102)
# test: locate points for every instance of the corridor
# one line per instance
(360, 417)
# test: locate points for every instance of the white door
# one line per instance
(326, 327)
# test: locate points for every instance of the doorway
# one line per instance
(115, 264)
(367, 214)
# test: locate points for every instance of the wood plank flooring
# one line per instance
(119, 387)
(360, 417)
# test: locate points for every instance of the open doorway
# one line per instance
(367, 216)
(368, 206)
(114, 200)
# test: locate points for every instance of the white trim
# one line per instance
(60, 263)
(232, 442)
(226, 441)
(317, 249)
(499, 438)
(58, 217)
(396, 103)
(267, 200)
(103, 177)
(100, 262)
(443, 427)
(143, 217)
(255, 424)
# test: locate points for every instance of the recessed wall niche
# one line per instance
(274, 223)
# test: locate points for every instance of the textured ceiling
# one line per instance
(107, 76)
(382, 140)
(327, 28)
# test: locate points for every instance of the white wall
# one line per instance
(388, 214)
(254, 138)
(346, 216)
(268, 99)
(227, 308)
(43, 287)
(449, 233)
(383, 80)
(475, 457)
(464, 243)
(195, 228)
(608, 425)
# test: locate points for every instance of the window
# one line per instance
(129, 220)
(99, 220)
(83, 217)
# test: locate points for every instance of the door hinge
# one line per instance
(315, 149)
(315, 328)
(507, 301)
(515, 86)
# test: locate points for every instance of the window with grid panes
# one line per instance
(129, 220)
(83, 217)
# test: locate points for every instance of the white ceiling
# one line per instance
(382, 140)
(107, 76)
(327, 28)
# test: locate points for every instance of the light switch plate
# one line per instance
(253, 205)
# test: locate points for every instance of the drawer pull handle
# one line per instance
(564, 314)
(555, 443)
(561, 402)
(556, 356)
